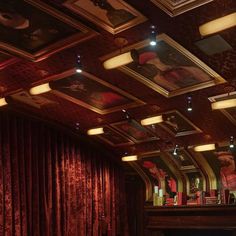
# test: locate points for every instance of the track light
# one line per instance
(79, 64)
(175, 152)
(189, 103)
(231, 142)
(127, 115)
(153, 35)
(3, 102)
(43, 88)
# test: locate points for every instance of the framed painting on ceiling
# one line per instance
(114, 138)
(135, 131)
(230, 113)
(34, 30)
(6, 60)
(112, 15)
(178, 125)
(91, 92)
(168, 68)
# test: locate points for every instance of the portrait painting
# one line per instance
(6, 60)
(34, 101)
(183, 159)
(135, 131)
(113, 137)
(91, 92)
(177, 7)
(34, 30)
(223, 163)
(195, 181)
(168, 68)
(159, 173)
(177, 124)
(230, 113)
(112, 15)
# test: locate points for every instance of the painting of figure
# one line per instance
(112, 15)
(177, 124)
(168, 68)
(91, 92)
(34, 30)
(195, 181)
(135, 131)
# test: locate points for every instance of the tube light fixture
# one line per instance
(95, 131)
(206, 147)
(152, 120)
(120, 60)
(43, 88)
(130, 158)
(224, 104)
(3, 102)
(217, 25)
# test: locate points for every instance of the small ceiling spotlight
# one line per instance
(127, 115)
(189, 103)
(77, 126)
(175, 152)
(153, 35)
(231, 142)
(79, 64)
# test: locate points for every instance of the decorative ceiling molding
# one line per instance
(177, 7)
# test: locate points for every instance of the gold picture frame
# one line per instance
(168, 68)
(122, 17)
(91, 92)
(177, 124)
(230, 113)
(41, 32)
(177, 7)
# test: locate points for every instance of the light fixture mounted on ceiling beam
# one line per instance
(39, 89)
(3, 102)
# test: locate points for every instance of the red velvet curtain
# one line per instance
(53, 184)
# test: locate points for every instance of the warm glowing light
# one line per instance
(206, 147)
(95, 131)
(130, 158)
(224, 104)
(78, 70)
(117, 61)
(43, 88)
(219, 24)
(3, 102)
(152, 120)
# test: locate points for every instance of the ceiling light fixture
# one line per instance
(130, 158)
(127, 115)
(153, 35)
(218, 25)
(175, 152)
(206, 147)
(231, 142)
(79, 65)
(43, 88)
(227, 103)
(95, 131)
(3, 102)
(152, 120)
(189, 103)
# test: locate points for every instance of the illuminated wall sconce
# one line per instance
(231, 142)
(3, 102)
(218, 25)
(206, 147)
(130, 158)
(39, 89)
(153, 35)
(152, 120)
(95, 131)
(79, 67)
(223, 104)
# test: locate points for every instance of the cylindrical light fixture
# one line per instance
(224, 104)
(117, 61)
(130, 158)
(3, 102)
(43, 88)
(152, 120)
(95, 131)
(206, 147)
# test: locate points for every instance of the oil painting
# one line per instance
(34, 30)
(178, 125)
(112, 15)
(91, 92)
(135, 131)
(230, 113)
(168, 68)
(114, 138)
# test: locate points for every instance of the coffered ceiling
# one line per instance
(35, 51)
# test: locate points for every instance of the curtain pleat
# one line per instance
(52, 184)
